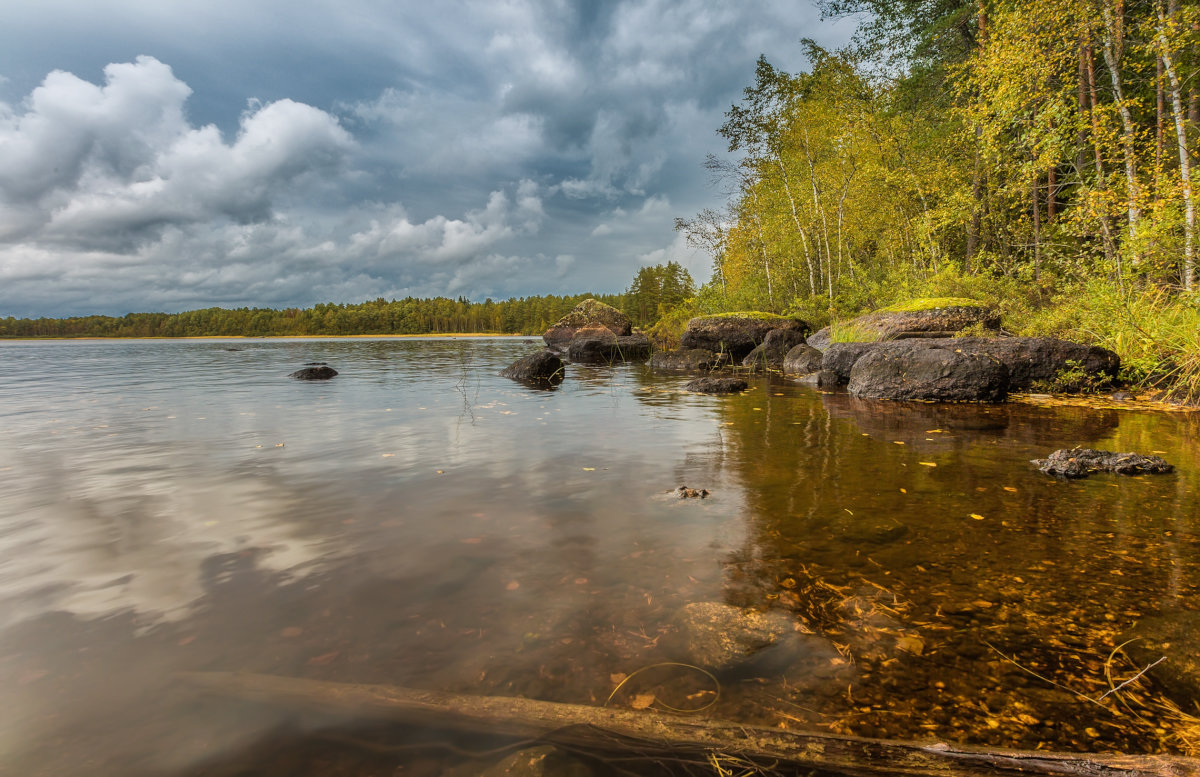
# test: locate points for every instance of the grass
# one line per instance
(747, 314)
(851, 332)
(932, 303)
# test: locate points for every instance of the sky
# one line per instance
(167, 156)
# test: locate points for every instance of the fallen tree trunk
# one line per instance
(599, 727)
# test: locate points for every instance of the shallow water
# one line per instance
(419, 521)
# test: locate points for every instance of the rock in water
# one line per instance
(735, 333)
(1081, 462)
(688, 360)
(590, 312)
(912, 372)
(543, 367)
(774, 349)
(802, 360)
(718, 636)
(717, 385)
(314, 373)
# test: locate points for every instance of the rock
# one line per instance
(689, 360)
(596, 344)
(717, 385)
(774, 348)
(541, 761)
(590, 312)
(802, 360)
(1041, 359)
(720, 636)
(314, 373)
(821, 339)
(691, 493)
(1028, 359)
(735, 333)
(1081, 462)
(1123, 396)
(820, 379)
(541, 367)
(1175, 635)
(936, 321)
(905, 371)
(839, 358)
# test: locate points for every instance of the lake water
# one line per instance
(419, 521)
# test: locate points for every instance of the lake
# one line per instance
(420, 521)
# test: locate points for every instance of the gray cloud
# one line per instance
(274, 154)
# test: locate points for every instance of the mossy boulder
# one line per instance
(920, 318)
(590, 312)
(736, 333)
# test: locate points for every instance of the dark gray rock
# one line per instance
(802, 360)
(1081, 462)
(908, 371)
(735, 333)
(820, 379)
(717, 385)
(821, 339)
(688, 360)
(839, 358)
(719, 636)
(774, 348)
(590, 312)
(1032, 360)
(314, 373)
(541, 367)
(596, 344)
(884, 325)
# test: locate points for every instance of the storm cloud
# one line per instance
(159, 158)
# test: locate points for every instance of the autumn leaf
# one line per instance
(642, 701)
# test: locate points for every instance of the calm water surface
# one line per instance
(419, 521)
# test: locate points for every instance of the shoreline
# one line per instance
(97, 338)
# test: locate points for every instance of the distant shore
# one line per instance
(271, 337)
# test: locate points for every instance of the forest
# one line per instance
(1037, 155)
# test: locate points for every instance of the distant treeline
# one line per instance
(522, 315)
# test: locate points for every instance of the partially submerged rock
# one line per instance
(691, 493)
(541, 367)
(820, 379)
(735, 333)
(1030, 360)
(590, 312)
(719, 636)
(774, 348)
(688, 360)
(322, 372)
(717, 385)
(596, 344)
(802, 360)
(911, 372)
(1081, 462)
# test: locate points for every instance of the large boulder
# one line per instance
(907, 371)
(1042, 360)
(735, 333)
(1030, 360)
(821, 339)
(774, 348)
(688, 360)
(541, 367)
(596, 344)
(921, 318)
(590, 312)
(802, 360)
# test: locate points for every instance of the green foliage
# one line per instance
(932, 303)
(656, 290)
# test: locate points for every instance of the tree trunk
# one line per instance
(1185, 169)
(666, 736)
(1110, 250)
(1113, 47)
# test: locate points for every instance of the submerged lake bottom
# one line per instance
(418, 521)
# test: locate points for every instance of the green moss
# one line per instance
(932, 303)
(747, 314)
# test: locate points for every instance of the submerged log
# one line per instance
(584, 726)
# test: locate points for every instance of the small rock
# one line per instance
(717, 385)
(1081, 462)
(314, 373)
(802, 360)
(691, 493)
(688, 359)
(1122, 396)
(820, 379)
(719, 636)
(542, 367)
